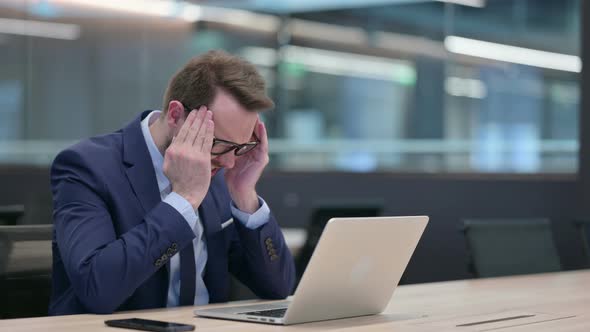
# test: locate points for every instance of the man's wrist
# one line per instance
(184, 207)
(194, 201)
(246, 202)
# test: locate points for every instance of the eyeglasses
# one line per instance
(221, 146)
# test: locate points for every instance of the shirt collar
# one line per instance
(155, 155)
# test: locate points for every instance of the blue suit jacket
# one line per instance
(111, 229)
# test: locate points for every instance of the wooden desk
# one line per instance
(561, 301)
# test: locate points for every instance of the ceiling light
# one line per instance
(513, 54)
(163, 8)
(469, 3)
(39, 29)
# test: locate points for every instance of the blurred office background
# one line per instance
(458, 109)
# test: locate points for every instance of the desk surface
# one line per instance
(545, 302)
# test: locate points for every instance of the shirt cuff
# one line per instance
(183, 207)
(254, 220)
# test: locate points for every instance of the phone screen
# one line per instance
(149, 325)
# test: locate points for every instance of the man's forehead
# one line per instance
(233, 122)
(236, 129)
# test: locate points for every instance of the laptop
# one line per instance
(353, 271)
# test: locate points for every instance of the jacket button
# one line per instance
(158, 262)
(170, 252)
(268, 241)
(274, 257)
(164, 257)
(174, 246)
(272, 252)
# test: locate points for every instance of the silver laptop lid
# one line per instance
(355, 267)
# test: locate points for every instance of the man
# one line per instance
(160, 212)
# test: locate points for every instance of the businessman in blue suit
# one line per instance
(159, 213)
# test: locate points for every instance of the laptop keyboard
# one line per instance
(276, 313)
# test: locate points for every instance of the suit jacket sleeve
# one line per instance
(105, 268)
(260, 259)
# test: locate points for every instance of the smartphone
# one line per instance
(149, 325)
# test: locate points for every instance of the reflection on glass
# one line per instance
(432, 86)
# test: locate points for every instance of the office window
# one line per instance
(487, 86)
(429, 86)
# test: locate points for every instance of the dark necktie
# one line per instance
(187, 275)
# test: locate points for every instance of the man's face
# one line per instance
(232, 123)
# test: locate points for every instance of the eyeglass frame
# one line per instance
(235, 146)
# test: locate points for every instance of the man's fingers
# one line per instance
(193, 131)
(209, 130)
(181, 137)
(262, 136)
(200, 139)
(198, 127)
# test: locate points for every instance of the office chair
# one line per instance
(10, 214)
(25, 270)
(319, 219)
(583, 226)
(500, 247)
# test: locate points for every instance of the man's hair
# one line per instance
(198, 81)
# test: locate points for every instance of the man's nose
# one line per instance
(228, 160)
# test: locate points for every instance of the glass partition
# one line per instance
(469, 86)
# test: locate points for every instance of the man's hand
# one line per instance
(187, 162)
(242, 178)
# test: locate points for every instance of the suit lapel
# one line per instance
(140, 170)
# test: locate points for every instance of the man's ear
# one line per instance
(175, 114)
